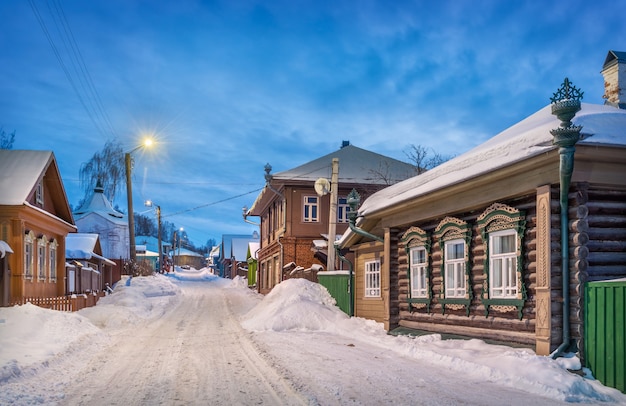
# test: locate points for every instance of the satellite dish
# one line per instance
(322, 186)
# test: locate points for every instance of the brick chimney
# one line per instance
(614, 73)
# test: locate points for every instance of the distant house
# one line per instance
(293, 216)
(233, 254)
(151, 244)
(185, 257)
(213, 259)
(252, 260)
(89, 270)
(98, 216)
(475, 245)
(35, 218)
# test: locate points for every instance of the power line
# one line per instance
(211, 204)
(89, 95)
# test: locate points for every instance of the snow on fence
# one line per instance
(71, 303)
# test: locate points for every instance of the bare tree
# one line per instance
(106, 166)
(423, 158)
(6, 140)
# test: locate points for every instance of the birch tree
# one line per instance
(106, 166)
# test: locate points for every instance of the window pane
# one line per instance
(455, 250)
(503, 244)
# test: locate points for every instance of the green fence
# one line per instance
(605, 332)
(338, 285)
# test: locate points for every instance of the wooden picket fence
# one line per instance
(71, 303)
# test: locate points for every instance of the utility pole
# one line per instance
(332, 219)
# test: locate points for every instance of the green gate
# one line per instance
(338, 285)
(605, 332)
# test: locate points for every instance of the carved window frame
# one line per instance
(42, 257)
(29, 256)
(452, 228)
(52, 261)
(500, 217)
(413, 238)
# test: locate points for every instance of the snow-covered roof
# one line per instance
(185, 252)
(239, 248)
(226, 247)
(253, 248)
(20, 171)
(4, 248)
(100, 205)
(356, 165)
(601, 125)
(82, 246)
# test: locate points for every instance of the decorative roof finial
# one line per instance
(565, 105)
(567, 91)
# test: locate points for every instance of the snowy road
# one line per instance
(164, 341)
(195, 354)
(198, 354)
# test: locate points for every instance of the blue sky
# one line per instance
(228, 86)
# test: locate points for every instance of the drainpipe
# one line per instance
(565, 105)
(351, 269)
(268, 180)
(353, 201)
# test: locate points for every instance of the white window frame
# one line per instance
(419, 283)
(342, 209)
(41, 258)
(28, 256)
(455, 281)
(52, 263)
(503, 267)
(39, 192)
(310, 209)
(372, 279)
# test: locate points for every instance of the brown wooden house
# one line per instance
(91, 272)
(293, 215)
(35, 218)
(475, 246)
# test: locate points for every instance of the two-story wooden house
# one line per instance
(293, 215)
(35, 218)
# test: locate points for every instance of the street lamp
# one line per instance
(150, 203)
(129, 195)
(180, 235)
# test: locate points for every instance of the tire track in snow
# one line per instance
(196, 353)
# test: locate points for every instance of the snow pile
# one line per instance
(31, 336)
(301, 305)
(295, 304)
(193, 274)
(134, 300)
(33, 339)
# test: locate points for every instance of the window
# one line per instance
(418, 270)
(53, 261)
(455, 268)
(39, 192)
(310, 209)
(28, 256)
(503, 264)
(342, 210)
(41, 259)
(372, 279)
(502, 231)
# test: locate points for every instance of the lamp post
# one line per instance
(129, 195)
(150, 203)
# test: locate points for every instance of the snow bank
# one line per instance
(143, 299)
(30, 336)
(193, 274)
(301, 305)
(295, 304)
